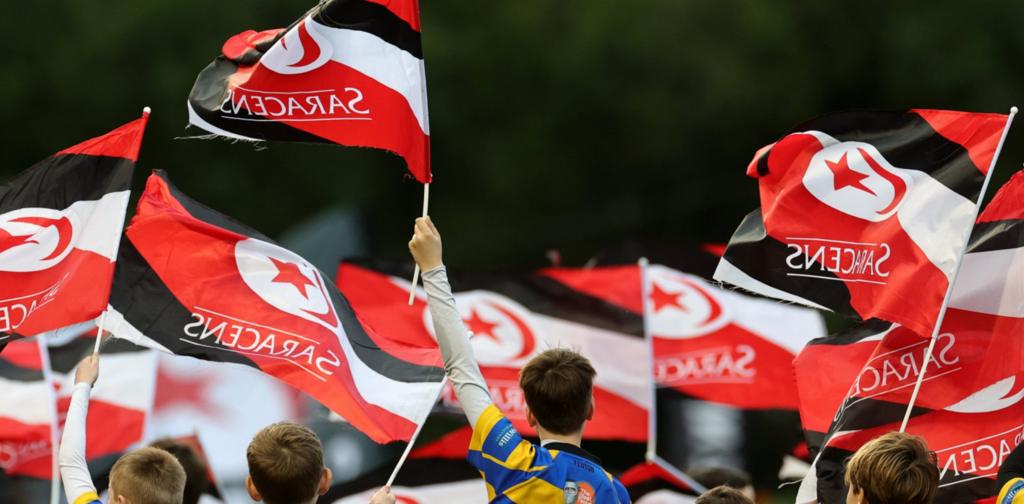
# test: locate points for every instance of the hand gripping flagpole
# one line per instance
(956, 274)
(416, 272)
(416, 434)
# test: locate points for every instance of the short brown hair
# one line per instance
(723, 495)
(894, 468)
(148, 475)
(196, 480)
(286, 463)
(558, 385)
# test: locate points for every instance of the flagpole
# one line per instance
(652, 410)
(416, 434)
(416, 271)
(44, 355)
(99, 332)
(956, 274)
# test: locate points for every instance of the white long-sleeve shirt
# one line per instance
(453, 338)
(78, 486)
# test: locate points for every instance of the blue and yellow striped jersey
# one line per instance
(87, 498)
(517, 471)
(1012, 492)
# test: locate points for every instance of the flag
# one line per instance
(121, 401)
(865, 213)
(969, 409)
(512, 318)
(60, 222)
(436, 472)
(27, 412)
(348, 72)
(651, 483)
(220, 291)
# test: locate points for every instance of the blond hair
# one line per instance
(894, 468)
(286, 463)
(148, 476)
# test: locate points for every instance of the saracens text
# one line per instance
(325, 104)
(846, 261)
(214, 330)
(15, 311)
(724, 364)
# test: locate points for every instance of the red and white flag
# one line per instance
(970, 405)
(223, 292)
(512, 318)
(28, 409)
(348, 72)
(60, 224)
(865, 213)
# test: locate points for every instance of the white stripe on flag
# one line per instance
(25, 402)
(976, 291)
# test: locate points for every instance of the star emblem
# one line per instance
(661, 298)
(843, 176)
(289, 273)
(479, 327)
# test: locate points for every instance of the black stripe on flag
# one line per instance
(373, 18)
(997, 235)
(14, 372)
(58, 181)
(907, 141)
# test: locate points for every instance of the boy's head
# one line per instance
(286, 465)
(196, 481)
(893, 468)
(711, 477)
(723, 495)
(559, 388)
(147, 476)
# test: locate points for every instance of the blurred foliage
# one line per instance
(569, 125)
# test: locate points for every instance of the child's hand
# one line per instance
(426, 244)
(383, 496)
(88, 370)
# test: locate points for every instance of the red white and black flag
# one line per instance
(221, 291)
(28, 412)
(60, 224)
(514, 317)
(652, 483)
(348, 72)
(865, 213)
(856, 386)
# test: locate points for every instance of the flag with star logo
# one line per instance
(60, 222)
(865, 213)
(856, 385)
(27, 411)
(511, 319)
(348, 72)
(223, 292)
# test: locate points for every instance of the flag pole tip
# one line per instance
(146, 110)
(1013, 109)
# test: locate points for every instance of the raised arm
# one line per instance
(452, 336)
(73, 469)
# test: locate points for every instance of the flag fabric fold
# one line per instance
(865, 213)
(191, 281)
(60, 224)
(348, 72)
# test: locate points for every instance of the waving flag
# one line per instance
(650, 483)
(348, 72)
(220, 291)
(970, 406)
(865, 213)
(60, 223)
(27, 412)
(512, 318)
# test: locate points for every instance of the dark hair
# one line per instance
(710, 477)
(723, 495)
(286, 463)
(196, 480)
(894, 468)
(558, 385)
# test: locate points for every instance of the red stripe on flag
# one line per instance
(618, 285)
(123, 142)
(24, 449)
(408, 10)
(978, 133)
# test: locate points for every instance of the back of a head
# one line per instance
(714, 476)
(558, 385)
(723, 495)
(196, 481)
(894, 468)
(286, 463)
(148, 476)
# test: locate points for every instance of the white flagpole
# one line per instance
(44, 354)
(416, 434)
(956, 274)
(652, 411)
(416, 272)
(99, 332)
